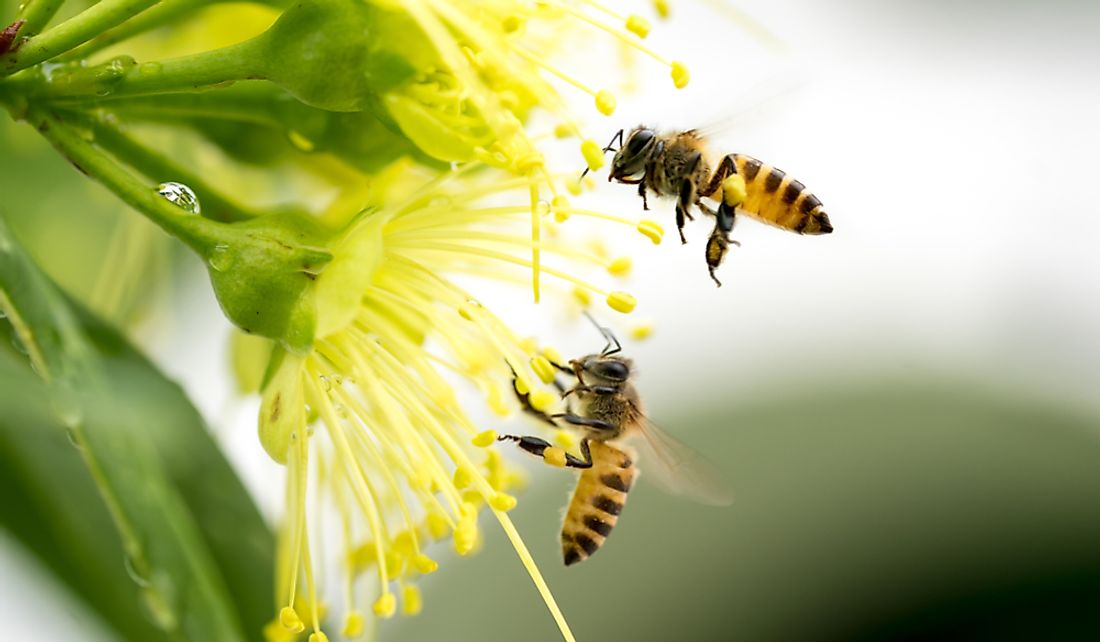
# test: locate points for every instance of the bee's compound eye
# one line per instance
(638, 141)
(611, 370)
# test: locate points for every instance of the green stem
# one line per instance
(165, 12)
(157, 166)
(80, 28)
(36, 14)
(199, 233)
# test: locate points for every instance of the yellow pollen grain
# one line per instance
(503, 501)
(411, 602)
(652, 230)
(290, 621)
(637, 25)
(593, 154)
(605, 102)
(555, 456)
(541, 367)
(620, 266)
(484, 439)
(662, 8)
(680, 74)
(640, 331)
(385, 605)
(621, 302)
(353, 625)
(564, 130)
(733, 190)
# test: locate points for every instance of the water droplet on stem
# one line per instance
(181, 196)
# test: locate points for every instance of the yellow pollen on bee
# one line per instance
(733, 190)
(288, 617)
(652, 230)
(593, 154)
(541, 366)
(565, 439)
(680, 74)
(605, 102)
(484, 439)
(621, 302)
(353, 625)
(555, 456)
(385, 605)
(411, 602)
(620, 266)
(502, 501)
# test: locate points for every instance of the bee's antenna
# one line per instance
(607, 334)
(610, 148)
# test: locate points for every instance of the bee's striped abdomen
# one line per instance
(597, 501)
(776, 198)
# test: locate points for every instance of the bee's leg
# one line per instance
(718, 246)
(680, 223)
(525, 401)
(641, 192)
(537, 447)
(587, 422)
(725, 168)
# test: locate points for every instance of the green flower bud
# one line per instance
(263, 272)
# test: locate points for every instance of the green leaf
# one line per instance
(135, 509)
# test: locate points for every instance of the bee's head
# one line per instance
(602, 370)
(630, 159)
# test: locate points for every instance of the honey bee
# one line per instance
(608, 410)
(678, 164)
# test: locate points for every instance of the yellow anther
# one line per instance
(582, 295)
(541, 366)
(593, 154)
(465, 314)
(496, 402)
(542, 400)
(574, 187)
(361, 557)
(605, 102)
(680, 74)
(424, 564)
(512, 23)
(565, 439)
(552, 355)
(620, 266)
(473, 497)
(661, 7)
(637, 25)
(394, 564)
(653, 230)
(485, 438)
(621, 302)
(528, 345)
(733, 190)
(318, 636)
(288, 617)
(385, 605)
(555, 456)
(404, 544)
(640, 331)
(353, 624)
(300, 141)
(561, 207)
(465, 535)
(411, 604)
(563, 130)
(437, 525)
(462, 477)
(522, 385)
(503, 502)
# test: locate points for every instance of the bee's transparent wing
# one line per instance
(680, 469)
(762, 99)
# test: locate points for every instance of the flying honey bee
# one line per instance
(608, 410)
(679, 165)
